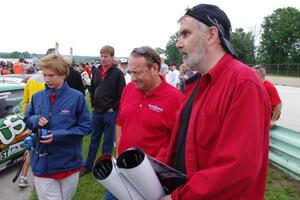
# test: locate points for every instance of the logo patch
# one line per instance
(65, 112)
(155, 108)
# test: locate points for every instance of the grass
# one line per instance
(279, 185)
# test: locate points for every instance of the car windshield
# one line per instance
(10, 102)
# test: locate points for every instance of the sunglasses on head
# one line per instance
(143, 52)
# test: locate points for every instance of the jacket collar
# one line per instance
(58, 91)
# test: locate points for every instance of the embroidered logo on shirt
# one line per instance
(65, 112)
(155, 108)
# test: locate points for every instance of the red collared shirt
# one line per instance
(272, 92)
(147, 120)
(227, 140)
(104, 72)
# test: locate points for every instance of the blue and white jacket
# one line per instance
(68, 120)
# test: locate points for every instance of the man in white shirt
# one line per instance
(173, 75)
(124, 68)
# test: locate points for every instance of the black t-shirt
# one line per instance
(183, 127)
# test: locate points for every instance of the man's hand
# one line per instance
(168, 197)
(273, 123)
(110, 110)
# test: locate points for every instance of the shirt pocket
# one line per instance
(208, 128)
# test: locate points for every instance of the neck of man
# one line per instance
(105, 67)
(211, 60)
(156, 83)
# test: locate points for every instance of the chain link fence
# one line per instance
(283, 69)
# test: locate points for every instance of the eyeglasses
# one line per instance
(142, 51)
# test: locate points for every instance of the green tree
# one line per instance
(172, 52)
(244, 45)
(50, 50)
(280, 39)
(26, 54)
(160, 50)
(15, 54)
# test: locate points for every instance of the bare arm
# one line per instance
(118, 135)
(276, 113)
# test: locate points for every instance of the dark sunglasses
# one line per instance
(142, 51)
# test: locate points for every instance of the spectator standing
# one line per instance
(106, 89)
(221, 138)
(173, 75)
(184, 74)
(146, 117)
(18, 66)
(74, 80)
(84, 76)
(62, 112)
(164, 69)
(272, 92)
(124, 68)
(33, 85)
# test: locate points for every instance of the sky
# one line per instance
(87, 25)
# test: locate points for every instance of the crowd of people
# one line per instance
(19, 67)
(208, 118)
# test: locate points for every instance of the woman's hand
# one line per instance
(42, 121)
(47, 139)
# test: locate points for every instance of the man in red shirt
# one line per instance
(221, 137)
(272, 92)
(148, 105)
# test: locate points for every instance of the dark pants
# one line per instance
(101, 123)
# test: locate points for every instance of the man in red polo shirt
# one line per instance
(148, 105)
(221, 137)
(272, 92)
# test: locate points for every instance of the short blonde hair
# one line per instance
(56, 63)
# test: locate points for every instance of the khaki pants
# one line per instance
(52, 189)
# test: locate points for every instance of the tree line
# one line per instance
(279, 41)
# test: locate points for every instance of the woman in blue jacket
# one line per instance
(61, 113)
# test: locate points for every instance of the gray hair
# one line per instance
(262, 70)
(201, 26)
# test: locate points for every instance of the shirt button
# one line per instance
(141, 105)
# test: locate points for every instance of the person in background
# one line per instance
(146, 117)
(221, 135)
(74, 79)
(4, 68)
(184, 74)
(33, 85)
(272, 92)
(61, 112)
(173, 75)
(88, 69)
(164, 69)
(18, 66)
(106, 89)
(10, 67)
(124, 68)
(84, 76)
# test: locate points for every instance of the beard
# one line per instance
(194, 59)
